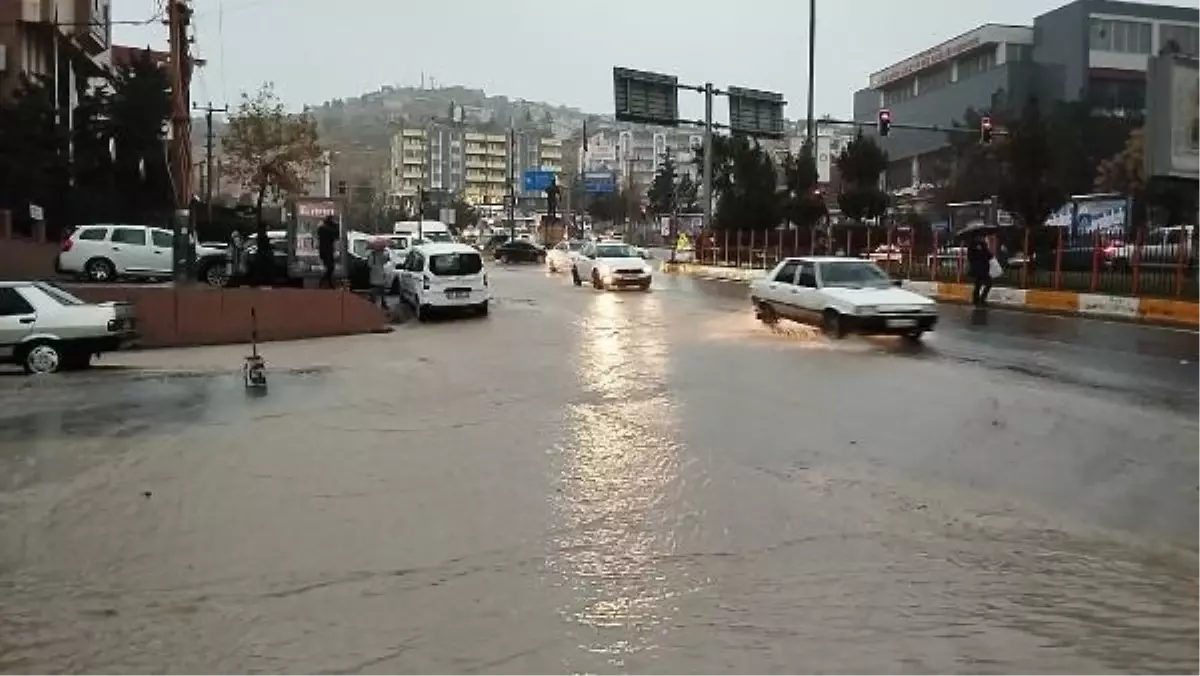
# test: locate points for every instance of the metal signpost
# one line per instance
(653, 98)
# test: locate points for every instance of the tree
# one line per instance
(662, 192)
(973, 170)
(269, 149)
(803, 203)
(1030, 183)
(860, 164)
(744, 184)
(687, 194)
(607, 206)
(138, 111)
(33, 151)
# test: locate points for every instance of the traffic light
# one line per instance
(341, 187)
(885, 121)
(985, 130)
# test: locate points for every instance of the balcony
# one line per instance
(493, 164)
(494, 177)
(497, 151)
(477, 176)
(94, 37)
(413, 133)
(413, 174)
(476, 163)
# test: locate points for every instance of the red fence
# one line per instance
(1160, 262)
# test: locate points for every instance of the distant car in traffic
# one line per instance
(841, 295)
(519, 251)
(442, 276)
(561, 255)
(44, 329)
(611, 265)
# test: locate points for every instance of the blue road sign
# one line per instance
(537, 180)
(599, 182)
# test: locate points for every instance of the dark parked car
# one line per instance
(520, 251)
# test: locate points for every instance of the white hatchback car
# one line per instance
(444, 276)
(842, 295)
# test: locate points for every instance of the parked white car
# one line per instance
(842, 295)
(444, 276)
(562, 255)
(104, 252)
(44, 329)
(611, 265)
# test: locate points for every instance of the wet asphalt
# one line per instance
(612, 483)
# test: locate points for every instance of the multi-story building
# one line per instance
(485, 159)
(37, 35)
(1089, 50)
(446, 171)
(409, 162)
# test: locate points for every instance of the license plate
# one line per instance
(457, 295)
(901, 323)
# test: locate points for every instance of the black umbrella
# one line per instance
(977, 228)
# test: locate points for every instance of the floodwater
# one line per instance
(613, 483)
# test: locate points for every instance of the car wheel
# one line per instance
(575, 277)
(395, 290)
(644, 287)
(766, 314)
(100, 270)
(213, 274)
(834, 324)
(422, 312)
(483, 309)
(597, 283)
(914, 336)
(41, 357)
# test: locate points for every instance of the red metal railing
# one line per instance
(1158, 262)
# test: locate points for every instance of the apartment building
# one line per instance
(485, 158)
(446, 170)
(409, 162)
(38, 35)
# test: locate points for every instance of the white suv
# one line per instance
(102, 253)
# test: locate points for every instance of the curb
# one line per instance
(1150, 310)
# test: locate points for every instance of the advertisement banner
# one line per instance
(304, 259)
(1105, 216)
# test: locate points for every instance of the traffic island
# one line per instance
(187, 316)
(1150, 310)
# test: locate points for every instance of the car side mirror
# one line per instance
(897, 282)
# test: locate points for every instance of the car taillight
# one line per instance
(67, 244)
(485, 279)
(425, 282)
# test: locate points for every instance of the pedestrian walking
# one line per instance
(377, 262)
(327, 237)
(979, 264)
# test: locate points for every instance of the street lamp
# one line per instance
(812, 59)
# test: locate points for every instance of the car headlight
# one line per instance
(867, 309)
(646, 270)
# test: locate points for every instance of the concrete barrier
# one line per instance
(1162, 311)
(186, 316)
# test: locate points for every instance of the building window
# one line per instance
(1018, 53)
(1124, 37)
(1186, 37)
(979, 62)
(933, 80)
(1112, 95)
(899, 94)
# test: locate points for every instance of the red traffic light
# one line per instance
(885, 121)
(985, 123)
(985, 129)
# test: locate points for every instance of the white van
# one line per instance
(429, 231)
(444, 276)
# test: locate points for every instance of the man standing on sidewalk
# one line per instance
(979, 259)
(327, 237)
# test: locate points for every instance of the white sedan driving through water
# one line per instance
(611, 265)
(842, 295)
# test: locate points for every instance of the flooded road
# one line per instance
(611, 483)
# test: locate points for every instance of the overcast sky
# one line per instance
(558, 51)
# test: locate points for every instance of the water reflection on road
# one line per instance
(619, 502)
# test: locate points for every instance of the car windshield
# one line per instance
(60, 295)
(455, 264)
(615, 251)
(853, 275)
(574, 246)
(398, 243)
(437, 236)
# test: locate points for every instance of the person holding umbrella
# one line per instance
(979, 265)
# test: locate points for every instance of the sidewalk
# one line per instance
(1154, 310)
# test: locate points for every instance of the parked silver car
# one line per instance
(44, 329)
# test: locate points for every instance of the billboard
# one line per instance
(1088, 216)
(1172, 121)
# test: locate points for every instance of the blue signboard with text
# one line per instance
(537, 180)
(599, 182)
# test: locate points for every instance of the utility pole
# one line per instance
(180, 63)
(811, 135)
(208, 160)
(512, 195)
(708, 155)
